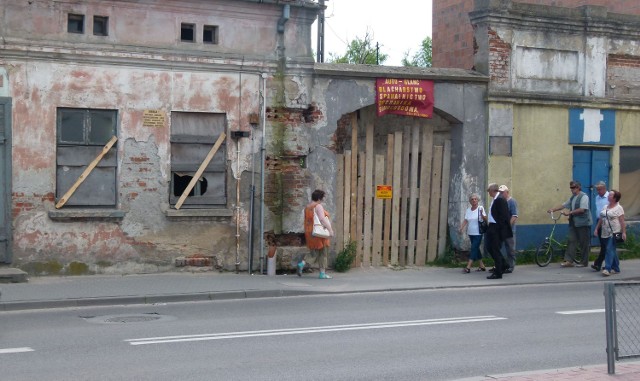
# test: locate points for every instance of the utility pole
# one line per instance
(320, 44)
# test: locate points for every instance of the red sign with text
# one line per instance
(410, 97)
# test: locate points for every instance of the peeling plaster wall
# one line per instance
(145, 234)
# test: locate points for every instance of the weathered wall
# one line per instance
(453, 37)
(145, 234)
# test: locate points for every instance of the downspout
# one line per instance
(238, 178)
(286, 10)
(263, 120)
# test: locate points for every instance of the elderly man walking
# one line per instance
(510, 243)
(499, 229)
(579, 225)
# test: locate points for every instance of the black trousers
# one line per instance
(494, 244)
(603, 250)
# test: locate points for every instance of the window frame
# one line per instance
(214, 29)
(104, 21)
(73, 156)
(192, 142)
(75, 18)
(188, 26)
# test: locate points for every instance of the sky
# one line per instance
(397, 25)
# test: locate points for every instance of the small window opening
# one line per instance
(210, 34)
(180, 183)
(187, 32)
(100, 26)
(75, 23)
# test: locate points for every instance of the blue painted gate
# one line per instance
(591, 165)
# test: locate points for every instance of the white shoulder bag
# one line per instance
(318, 229)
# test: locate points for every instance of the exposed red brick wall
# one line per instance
(623, 60)
(453, 37)
(27, 203)
(499, 58)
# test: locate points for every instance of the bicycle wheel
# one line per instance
(544, 252)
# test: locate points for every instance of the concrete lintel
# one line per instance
(70, 214)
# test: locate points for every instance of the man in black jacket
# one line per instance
(499, 229)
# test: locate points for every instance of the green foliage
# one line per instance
(345, 258)
(360, 51)
(422, 58)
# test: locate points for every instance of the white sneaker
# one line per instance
(605, 273)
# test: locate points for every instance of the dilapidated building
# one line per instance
(138, 135)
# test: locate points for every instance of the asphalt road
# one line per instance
(413, 335)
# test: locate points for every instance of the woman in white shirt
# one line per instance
(611, 221)
(474, 214)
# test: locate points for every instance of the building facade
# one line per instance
(138, 135)
(562, 104)
(453, 36)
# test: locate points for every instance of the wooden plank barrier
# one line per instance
(83, 176)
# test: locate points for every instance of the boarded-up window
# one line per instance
(192, 137)
(630, 182)
(82, 134)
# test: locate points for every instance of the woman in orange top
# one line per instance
(319, 246)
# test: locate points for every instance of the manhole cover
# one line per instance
(122, 319)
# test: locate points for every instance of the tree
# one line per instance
(360, 51)
(422, 58)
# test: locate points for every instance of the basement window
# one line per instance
(188, 32)
(81, 137)
(75, 23)
(210, 34)
(192, 137)
(100, 26)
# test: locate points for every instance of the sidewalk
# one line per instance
(92, 290)
(96, 290)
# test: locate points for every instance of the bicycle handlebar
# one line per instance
(556, 218)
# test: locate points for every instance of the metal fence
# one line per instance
(622, 310)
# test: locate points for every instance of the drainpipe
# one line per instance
(285, 16)
(263, 120)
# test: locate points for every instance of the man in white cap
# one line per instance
(510, 243)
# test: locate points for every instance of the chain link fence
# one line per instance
(622, 310)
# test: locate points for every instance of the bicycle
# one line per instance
(551, 246)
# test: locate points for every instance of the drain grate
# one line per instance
(130, 318)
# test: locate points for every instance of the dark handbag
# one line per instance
(616, 236)
(482, 224)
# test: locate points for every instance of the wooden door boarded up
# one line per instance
(410, 228)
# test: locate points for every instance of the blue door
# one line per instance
(591, 165)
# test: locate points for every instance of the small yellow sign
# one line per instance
(153, 118)
(384, 191)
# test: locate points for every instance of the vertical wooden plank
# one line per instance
(413, 193)
(354, 180)
(376, 252)
(346, 219)
(444, 197)
(387, 203)
(368, 195)
(339, 222)
(395, 200)
(434, 208)
(425, 192)
(360, 208)
(404, 215)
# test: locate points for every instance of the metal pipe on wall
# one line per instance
(263, 120)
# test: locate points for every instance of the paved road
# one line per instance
(439, 334)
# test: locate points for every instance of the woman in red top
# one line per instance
(319, 246)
